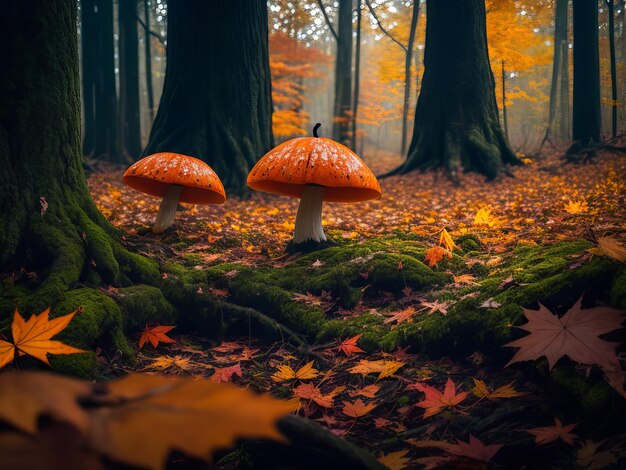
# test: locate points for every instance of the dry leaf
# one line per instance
(155, 335)
(348, 346)
(435, 401)
(548, 434)
(505, 391)
(357, 409)
(285, 372)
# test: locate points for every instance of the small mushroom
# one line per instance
(176, 178)
(314, 169)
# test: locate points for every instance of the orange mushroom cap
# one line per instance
(156, 173)
(302, 161)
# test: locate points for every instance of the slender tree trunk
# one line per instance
(456, 118)
(357, 76)
(611, 7)
(49, 223)
(106, 144)
(505, 120)
(88, 46)
(343, 74)
(586, 121)
(148, 57)
(216, 103)
(407, 75)
(560, 57)
(130, 124)
(564, 108)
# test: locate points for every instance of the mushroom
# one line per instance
(176, 178)
(314, 169)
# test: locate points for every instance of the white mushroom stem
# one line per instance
(309, 216)
(167, 211)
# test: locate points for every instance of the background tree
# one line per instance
(129, 114)
(558, 119)
(216, 103)
(456, 118)
(586, 119)
(50, 223)
(343, 74)
(99, 90)
(611, 14)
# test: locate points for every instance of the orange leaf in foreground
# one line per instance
(548, 434)
(32, 336)
(7, 353)
(474, 449)
(576, 335)
(436, 254)
(349, 346)
(357, 409)
(155, 335)
(435, 402)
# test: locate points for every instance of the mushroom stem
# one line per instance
(309, 216)
(167, 211)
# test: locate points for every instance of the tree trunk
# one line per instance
(357, 76)
(611, 12)
(148, 57)
(563, 116)
(343, 74)
(50, 225)
(407, 75)
(586, 120)
(216, 103)
(99, 72)
(130, 124)
(505, 119)
(456, 118)
(557, 121)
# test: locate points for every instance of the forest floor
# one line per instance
(516, 237)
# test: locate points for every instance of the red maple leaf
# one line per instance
(155, 335)
(225, 374)
(435, 401)
(348, 346)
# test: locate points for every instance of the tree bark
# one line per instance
(130, 124)
(586, 120)
(456, 119)
(343, 74)
(88, 45)
(407, 74)
(50, 224)
(505, 119)
(216, 103)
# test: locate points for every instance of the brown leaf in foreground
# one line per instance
(192, 416)
(576, 335)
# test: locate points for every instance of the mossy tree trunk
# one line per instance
(586, 120)
(99, 92)
(456, 119)
(50, 225)
(343, 74)
(130, 124)
(216, 103)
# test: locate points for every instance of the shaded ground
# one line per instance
(522, 240)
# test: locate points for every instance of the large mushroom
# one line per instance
(176, 178)
(314, 169)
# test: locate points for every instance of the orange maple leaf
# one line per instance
(348, 346)
(357, 409)
(312, 393)
(400, 316)
(474, 449)
(435, 254)
(576, 335)
(435, 401)
(285, 372)
(155, 335)
(547, 434)
(381, 367)
(505, 391)
(33, 337)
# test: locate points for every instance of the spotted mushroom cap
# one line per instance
(290, 166)
(156, 173)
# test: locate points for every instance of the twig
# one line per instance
(149, 31)
(380, 25)
(328, 22)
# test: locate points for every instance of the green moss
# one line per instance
(618, 290)
(142, 305)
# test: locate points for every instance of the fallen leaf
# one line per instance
(435, 401)
(505, 391)
(490, 303)
(349, 346)
(612, 247)
(168, 362)
(548, 434)
(225, 374)
(310, 392)
(285, 372)
(381, 367)
(475, 449)
(357, 409)
(435, 254)
(155, 335)
(395, 460)
(446, 240)
(400, 316)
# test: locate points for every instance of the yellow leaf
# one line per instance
(446, 240)
(32, 336)
(612, 247)
(505, 391)
(357, 409)
(285, 372)
(576, 207)
(395, 460)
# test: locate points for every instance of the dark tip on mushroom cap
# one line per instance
(315, 128)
